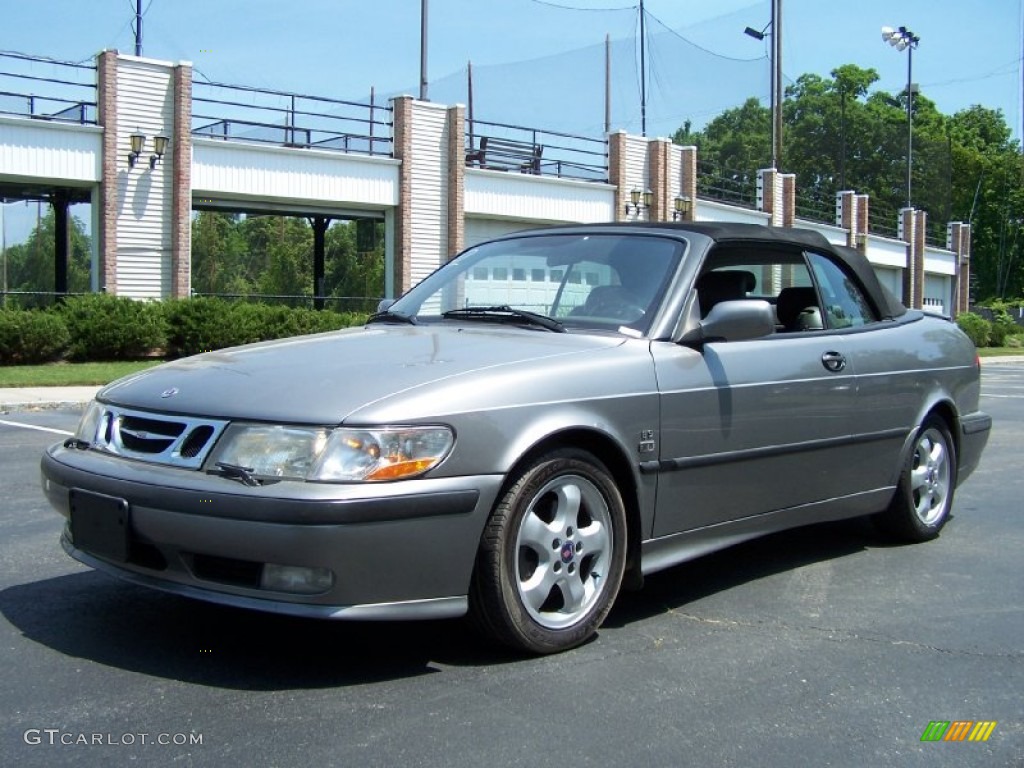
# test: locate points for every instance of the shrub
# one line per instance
(202, 324)
(1002, 327)
(31, 336)
(977, 328)
(106, 327)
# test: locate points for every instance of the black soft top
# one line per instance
(730, 232)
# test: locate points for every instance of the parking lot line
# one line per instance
(33, 426)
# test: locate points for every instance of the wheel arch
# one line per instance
(615, 459)
(944, 409)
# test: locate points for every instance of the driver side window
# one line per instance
(780, 277)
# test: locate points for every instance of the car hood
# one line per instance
(322, 379)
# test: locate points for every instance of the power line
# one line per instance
(576, 8)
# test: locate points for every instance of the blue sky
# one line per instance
(541, 63)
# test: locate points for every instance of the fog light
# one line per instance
(293, 578)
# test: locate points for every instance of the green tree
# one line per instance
(30, 264)
(280, 254)
(841, 135)
(349, 271)
(219, 255)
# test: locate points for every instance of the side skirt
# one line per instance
(666, 551)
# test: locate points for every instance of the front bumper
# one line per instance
(394, 550)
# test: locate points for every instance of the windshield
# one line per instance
(601, 281)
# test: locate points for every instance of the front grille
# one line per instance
(148, 435)
(181, 441)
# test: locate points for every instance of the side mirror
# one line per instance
(739, 320)
(385, 304)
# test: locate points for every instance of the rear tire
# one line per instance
(552, 555)
(924, 494)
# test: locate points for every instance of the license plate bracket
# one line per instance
(100, 524)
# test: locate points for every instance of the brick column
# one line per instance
(788, 199)
(920, 228)
(181, 183)
(688, 173)
(911, 231)
(106, 75)
(402, 147)
(617, 172)
(958, 237)
(863, 206)
(456, 180)
(846, 215)
(660, 201)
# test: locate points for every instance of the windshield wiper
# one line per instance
(506, 314)
(387, 316)
(235, 472)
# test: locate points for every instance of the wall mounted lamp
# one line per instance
(138, 141)
(159, 147)
(683, 206)
(635, 197)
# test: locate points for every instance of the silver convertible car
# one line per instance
(543, 421)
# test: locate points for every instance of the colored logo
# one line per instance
(958, 730)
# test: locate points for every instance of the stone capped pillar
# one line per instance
(428, 139)
(144, 225)
(631, 165)
(958, 240)
(661, 201)
(788, 199)
(863, 207)
(680, 181)
(911, 231)
(769, 195)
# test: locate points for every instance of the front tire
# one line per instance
(924, 495)
(552, 555)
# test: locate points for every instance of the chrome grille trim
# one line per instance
(156, 438)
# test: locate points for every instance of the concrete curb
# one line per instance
(14, 399)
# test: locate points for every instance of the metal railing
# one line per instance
(816, 206)
(726, 185)
(238, 112)
(47, 89)
(543, 153)
(883, 223)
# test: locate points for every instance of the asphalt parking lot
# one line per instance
(822, 646)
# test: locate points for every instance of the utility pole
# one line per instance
(138, 27)
(423, 50)
(777, 84)
(643, 75)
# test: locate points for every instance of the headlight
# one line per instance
(334, 455)
(90, 422)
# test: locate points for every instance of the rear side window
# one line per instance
(844, 301)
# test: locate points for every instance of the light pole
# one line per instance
(902, 38)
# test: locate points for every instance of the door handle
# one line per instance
(833, 361)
